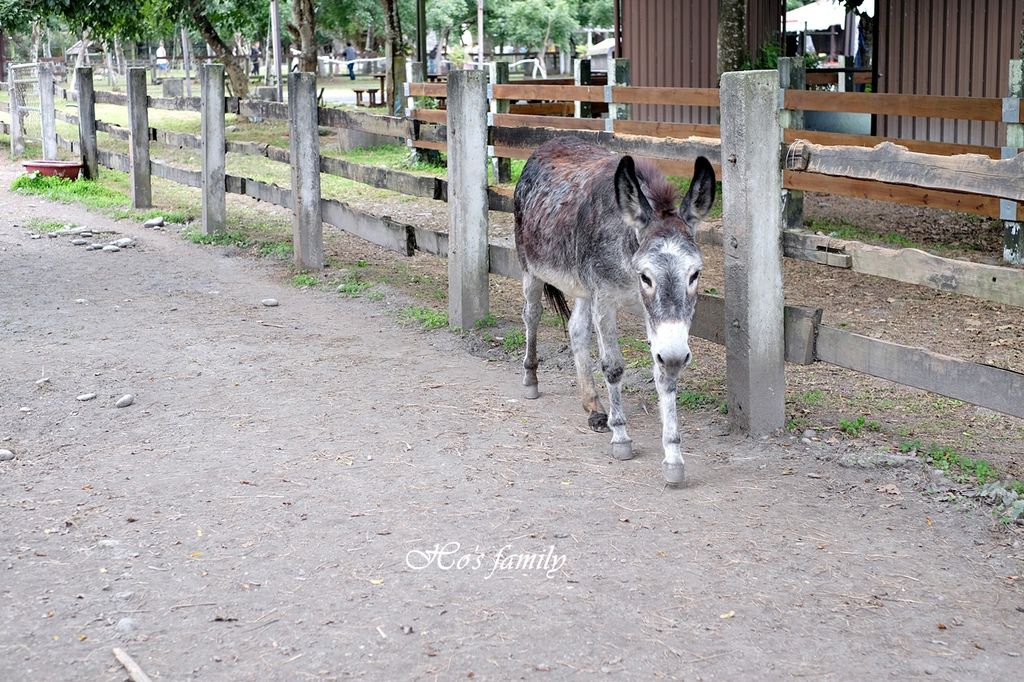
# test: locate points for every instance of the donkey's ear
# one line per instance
(636, 212)
(700, 196)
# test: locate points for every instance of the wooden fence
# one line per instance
(748, 172)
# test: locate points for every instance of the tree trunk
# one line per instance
(37, 36)
(47, 51)
(303, 30)
(79, 60)
(214, 43)
(369, 37)
(732, 35)
(394, 56)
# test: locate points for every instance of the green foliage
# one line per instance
(695, 400)
(514, 340)
(104, 19)
(489, 320)
(354, 284)
(535, 23)
(426, 317)
(281, 249)
(843, 229)
(231, 238)
(815, 397)
(854, 427)
(42, 225)
(85, 192)
(305, 280)
(960, 468)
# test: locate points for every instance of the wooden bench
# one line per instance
(372, 92)
(359, 97)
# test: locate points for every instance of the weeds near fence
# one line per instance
(514, 340)
(427, 318)
(42, 225)
(87, 192)
(305, 280)
(854, 427)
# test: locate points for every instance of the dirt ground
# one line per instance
(269, 506)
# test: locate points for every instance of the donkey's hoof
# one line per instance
(531, 392)
(622, 451)
(674, 472)
(598, 421)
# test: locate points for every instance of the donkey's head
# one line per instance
(667, 261)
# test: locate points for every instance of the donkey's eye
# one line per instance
(646, 280)
(693, 277)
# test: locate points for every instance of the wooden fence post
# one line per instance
(619, 73)
(87, 123)
(138, 133)
(1013, 240)
(754, 305)
(468, 296)
(307, 218)
(211, 87)
(17, 131)
(792, 76)
(581, 76)
(502, 167)
(47, 114)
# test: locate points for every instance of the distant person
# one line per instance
(349, 54)
(254, 55)
(161, 57)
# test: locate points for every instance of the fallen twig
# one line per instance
(134, 671)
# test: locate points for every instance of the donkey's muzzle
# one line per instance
(670, 346)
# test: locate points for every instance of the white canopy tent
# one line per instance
(822, 14)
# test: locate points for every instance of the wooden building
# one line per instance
(933, 47)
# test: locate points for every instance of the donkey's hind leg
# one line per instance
(580, 325)
(533, 288)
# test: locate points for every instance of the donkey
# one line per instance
(606, 230)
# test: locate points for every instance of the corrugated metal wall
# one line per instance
(946, 47)
(674, 43)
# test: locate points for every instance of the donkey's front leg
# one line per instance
(673, 466)
(613, 366)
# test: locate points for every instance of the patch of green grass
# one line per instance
(842, 229)
(695, 400)
(427, 318)
(305, 279)
(636, 351)
(354, 284)
(375, 295)
(912, 445)
(42, 225)
(281, 249)
(488, 321)
(179, 216)
(514, 340)
(814, 397)
(683, 184)
(229, 238)
(961, 468)
(85, 192)
(854, 427)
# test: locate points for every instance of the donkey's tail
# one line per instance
(557, 300)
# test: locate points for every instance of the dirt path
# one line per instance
(252, 515)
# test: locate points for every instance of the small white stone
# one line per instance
(44, 380)
(6, 455)
(124, 242)
(126, 624)
(79, 242)
(269, 302)
(26, 410)
(125, 400)
(111, 248)
(154, 222)
(107, 543)
(86, 396)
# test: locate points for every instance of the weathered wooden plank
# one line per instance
(430, 115)
(557, 122)
(923, 146)
(888, 162)
(382, 231)
(428, 89)
(173, 139)
(374, 124)
(117, 132)
(565, 93)
(384, 178)
(933, 106)
(262, 110)
(182, 176)
(997, 389)
(560, 109)
(176, 103)
(429, 144)
(639, 145)
(697, 97)
(105, 97)
(801, 329)
(664, 129)
(431, 132)
(900, 194)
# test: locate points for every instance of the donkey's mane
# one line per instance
(660, 192)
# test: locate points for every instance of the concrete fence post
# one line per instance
(87, 123)
(307, 218)
(1013, 239)
(502, 167)
(752, 222)
(416, 73)
(17, 121)
(138, 139)
(792, 76)
(211, 86)
(468, 296)
(47, 113)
